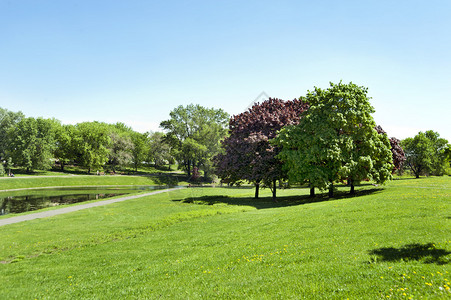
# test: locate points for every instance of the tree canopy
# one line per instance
(194, 132)
(335, 140)
(8, 120)
(397, 152)
(248, 154)
(38, 143)
(91, 143)
(426, 153)
(32, 142)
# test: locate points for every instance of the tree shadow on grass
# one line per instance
(408, 178)
(167, 178)
(427, 252)
(268, 202)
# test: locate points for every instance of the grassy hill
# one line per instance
(390, 242)
(7, 183)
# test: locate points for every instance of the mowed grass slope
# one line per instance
(390, 242)
(7, 183)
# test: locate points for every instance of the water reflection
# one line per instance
(34, 199)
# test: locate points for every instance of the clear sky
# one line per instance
(134, 61)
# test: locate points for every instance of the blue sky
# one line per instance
(134, 61)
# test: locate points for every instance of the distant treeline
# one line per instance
(326, 137)
(39, 144)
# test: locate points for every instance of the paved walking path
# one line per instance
(65, 210)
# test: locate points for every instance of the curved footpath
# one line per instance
(65, 210)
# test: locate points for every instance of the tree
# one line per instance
(9, 165)
(447, 155)
(63, 151)
(32, 142)
(140, 148)
(194, 133)
(397, 152)
(8, 120)
(248, 154)
(159, 149)
(440, 147)
(335, 140)
(90, 144)
(426, 153)
(120, 146)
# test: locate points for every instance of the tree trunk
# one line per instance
(274, 187)
(189, 168)
(351, 182)
(312, 192)
(257, 187)
(331, 190)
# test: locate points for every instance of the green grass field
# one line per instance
(85, 180)
(389, 242)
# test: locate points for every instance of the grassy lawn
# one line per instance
(390, 242)
(7, 183)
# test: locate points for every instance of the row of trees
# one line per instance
(328, 136)
(192, 138)
(38, 143)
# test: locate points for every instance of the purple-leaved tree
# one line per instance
(397, 152)
(248, 154)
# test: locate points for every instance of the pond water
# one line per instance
(34, 199)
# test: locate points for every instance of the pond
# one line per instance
(13, 202)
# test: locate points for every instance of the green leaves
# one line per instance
(335, 140)
(195, 132)
(91, 143)
(426, 153)
(32, 142)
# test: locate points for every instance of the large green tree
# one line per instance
(32, 143)
(91, 143)
(63, 151)
(8, 120)
(426, 153)
(140, 148)
(120, 146)
(159, 150)
(194, 133)
(336, 140)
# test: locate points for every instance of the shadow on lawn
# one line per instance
(268, 202)
(172, 179)
(428, 252)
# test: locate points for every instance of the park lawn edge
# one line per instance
(257, 254)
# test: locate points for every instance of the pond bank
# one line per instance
(64, 210)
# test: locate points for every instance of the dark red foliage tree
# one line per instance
(248, 155)
(396, 150)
